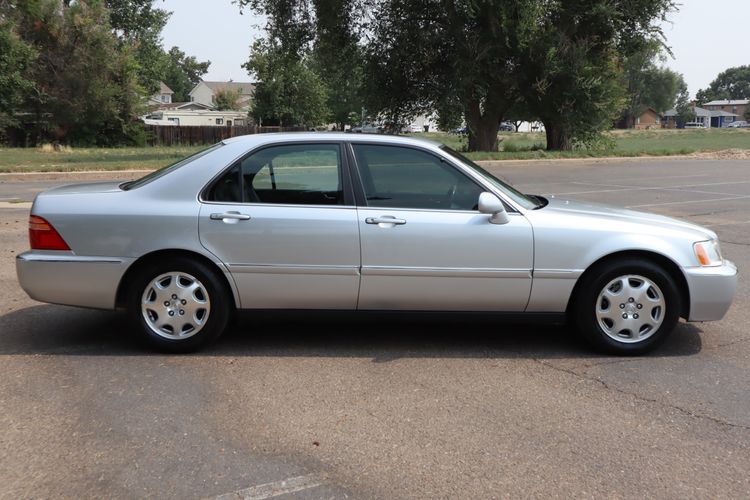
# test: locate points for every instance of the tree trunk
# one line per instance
(483, 135)
(558, 137)
(482, 127)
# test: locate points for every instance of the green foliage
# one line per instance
(227, 99)
(337, 59)
(138, 25)
(570, 71)
(85, 86)
(16, 56)
(647, 84)
(428, 55)
(685, 112)
(182, 73)
(288, 91)
(733, 83)
(321, 35)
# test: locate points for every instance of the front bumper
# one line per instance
(64, 278)
(711, 291)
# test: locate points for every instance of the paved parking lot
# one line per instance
(334, 407)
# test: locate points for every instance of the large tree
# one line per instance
(647, 84)
(138, 25)
(432, 55)
(733, 83)
(16, 57)
(318, 41)
(570, 68)
(562, 59)
(288, 92)
(84, 85)
(337, 59)
(182, 72)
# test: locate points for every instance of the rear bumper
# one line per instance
(711, 291)
(64, 278)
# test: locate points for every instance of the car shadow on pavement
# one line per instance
(59, 330)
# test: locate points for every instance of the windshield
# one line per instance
(165, 170)
(525, 201)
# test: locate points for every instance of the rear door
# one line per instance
(425, 246)
(283, 221)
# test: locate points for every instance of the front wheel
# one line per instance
(627, 307)
(179, 306)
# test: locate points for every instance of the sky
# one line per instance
(212, 30)
(706, 37)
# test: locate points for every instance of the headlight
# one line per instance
(708, 253)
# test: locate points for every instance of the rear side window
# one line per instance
(299, 174)
(402, 177)
(165, 170)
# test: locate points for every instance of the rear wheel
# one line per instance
(627, 307)
(179, 306)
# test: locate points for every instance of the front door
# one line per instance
(283, 221)
(425, 246)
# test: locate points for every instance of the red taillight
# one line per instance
(42, 236)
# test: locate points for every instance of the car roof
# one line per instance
(259, 139)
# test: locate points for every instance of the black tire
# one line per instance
(584, 308)
(210, 288)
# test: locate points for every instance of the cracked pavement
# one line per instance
(384, 407)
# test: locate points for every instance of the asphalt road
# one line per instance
(336, 407)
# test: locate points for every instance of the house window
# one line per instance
(163, 98)
(220, 121)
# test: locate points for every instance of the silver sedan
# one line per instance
(338, 222)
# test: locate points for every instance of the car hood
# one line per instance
(607, 213)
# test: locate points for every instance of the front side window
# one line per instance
(299, 174)
(402, 177)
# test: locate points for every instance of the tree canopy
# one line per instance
(558, 61)
(648, 85)
(80, 71)
(734, 83)
(288, 92)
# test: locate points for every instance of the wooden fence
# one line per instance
(188, 136)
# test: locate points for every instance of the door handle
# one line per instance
(386, 219)
(230, 216)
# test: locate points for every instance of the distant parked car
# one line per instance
(738, 124)
(459, 131)
(694, 125)
(412, 129)
(367, 128)
(506, 127)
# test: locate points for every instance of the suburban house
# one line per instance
(197, 112)
(204, 92)
(704, 117)
(649, 118)
(736, 107)
(164, 96)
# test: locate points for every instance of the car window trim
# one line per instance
(346, 182)
(361, 198)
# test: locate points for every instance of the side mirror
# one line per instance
(491, 204)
